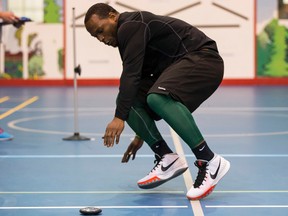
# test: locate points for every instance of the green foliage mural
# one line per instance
(52, 12)
(35, 67)
(13, 62)
(60, 60)
(272, 51)
(35, 62)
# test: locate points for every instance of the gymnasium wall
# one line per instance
(251, 37)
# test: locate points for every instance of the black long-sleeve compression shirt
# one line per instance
(148, 44)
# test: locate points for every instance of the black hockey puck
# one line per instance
(90, 211)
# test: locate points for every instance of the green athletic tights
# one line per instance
(173, 112)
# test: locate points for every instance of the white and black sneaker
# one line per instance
(166, 168)
(208, 176)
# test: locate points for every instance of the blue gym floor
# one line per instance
(41, 174)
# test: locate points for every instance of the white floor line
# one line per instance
(78, 207)
(61, 156)
(247, 206)
(196, 206)
(251, 191)
(136, 192)
(15, 125)
(89, 192)
(111, 109)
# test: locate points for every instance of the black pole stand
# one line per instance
(77, 70)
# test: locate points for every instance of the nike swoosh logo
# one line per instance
(161, 88)
(213, 176)
(167, 167)
(202, 148)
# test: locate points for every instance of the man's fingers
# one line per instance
(117, 138)
(110, 138)
(134, 155)
(126, 157)
(108, 141)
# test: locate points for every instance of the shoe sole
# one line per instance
(210, 190)
(157, 183)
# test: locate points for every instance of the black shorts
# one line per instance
(190, 80)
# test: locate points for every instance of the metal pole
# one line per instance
(76, 128)
(77, 70)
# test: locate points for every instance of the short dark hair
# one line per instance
(101, 9)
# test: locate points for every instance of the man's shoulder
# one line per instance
(129, 20)
(129, 16)
(135, 16)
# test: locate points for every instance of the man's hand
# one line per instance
(134, 146)
(113, 132)
(9, 17)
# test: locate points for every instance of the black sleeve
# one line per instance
(132, 42)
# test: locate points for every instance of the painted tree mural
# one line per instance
(272, 51)
(52, 12)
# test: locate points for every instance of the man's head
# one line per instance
(101, 22)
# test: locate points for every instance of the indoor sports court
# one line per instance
(58, 91)
(44, 175)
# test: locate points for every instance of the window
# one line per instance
(33, 9)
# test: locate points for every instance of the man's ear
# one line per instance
(112, 16)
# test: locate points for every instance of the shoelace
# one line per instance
(156, 162)
(201, 174)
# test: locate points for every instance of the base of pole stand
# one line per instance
(76, 137)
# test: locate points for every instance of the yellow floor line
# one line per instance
(20, 106)
(3, 99)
